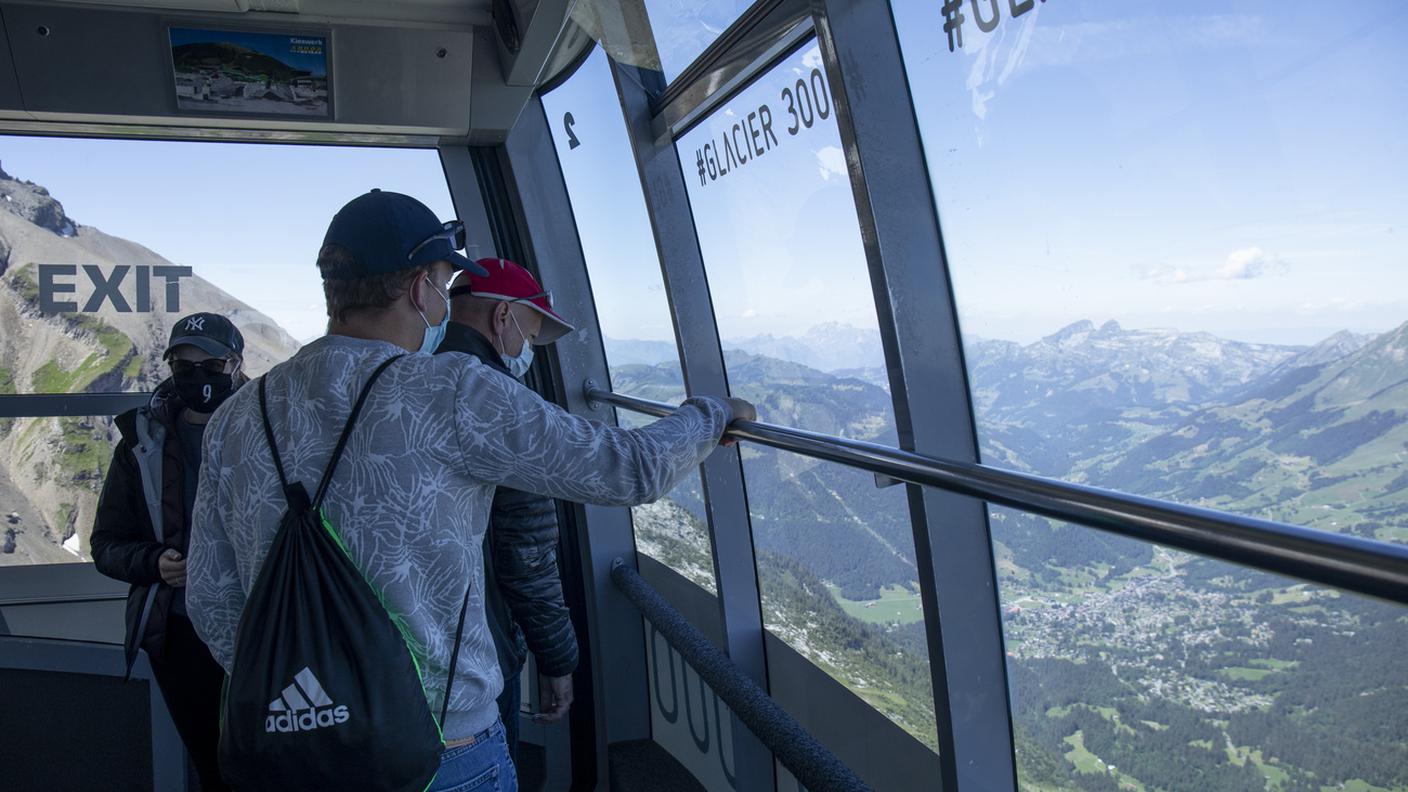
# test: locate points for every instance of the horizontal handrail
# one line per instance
(806, 758)
(61, 599)
(1353, 563)
(47, 405)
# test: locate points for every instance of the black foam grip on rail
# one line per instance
(807, 759)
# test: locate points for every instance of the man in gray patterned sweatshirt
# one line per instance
(412, 494)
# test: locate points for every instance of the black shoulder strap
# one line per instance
(454, 658)
(347, 431)
(296, 496)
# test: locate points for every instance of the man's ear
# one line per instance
(416, 290)
(501, 310)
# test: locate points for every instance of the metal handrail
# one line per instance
(62, 599)
(1364, 566)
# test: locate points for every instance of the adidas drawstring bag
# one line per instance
(324, 693)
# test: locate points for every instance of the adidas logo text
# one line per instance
(304, 706)
(306, 721)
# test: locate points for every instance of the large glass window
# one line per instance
(105, 243)
(595, 153)
(1175, 236)
(781, 243)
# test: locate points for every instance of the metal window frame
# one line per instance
(917, 318)
(743, 51)
(923, 345)
(702, 365)
(472, 175)
(525, 171)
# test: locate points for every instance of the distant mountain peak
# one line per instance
(833, 327)
(1072, 332)
(1345, 342)
(1111, 328)
(1333, 349)
(828, 346)
(1393, 343)
(34, 203)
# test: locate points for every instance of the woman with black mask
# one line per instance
(142, 528)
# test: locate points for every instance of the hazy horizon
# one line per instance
(1026, 341)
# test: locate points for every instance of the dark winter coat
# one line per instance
(523, 589)
(141, 513)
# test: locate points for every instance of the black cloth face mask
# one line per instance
(201, 390)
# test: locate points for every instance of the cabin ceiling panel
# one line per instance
(101, 65)
(453, 12)
(9, 83)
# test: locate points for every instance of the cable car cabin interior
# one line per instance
(1075, 331)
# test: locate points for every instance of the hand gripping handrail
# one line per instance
(1364, 566)
(807, 759)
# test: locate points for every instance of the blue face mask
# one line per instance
(518, 365)
(434, 334)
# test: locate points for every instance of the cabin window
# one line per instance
(106, 243)
(1176, 240)
(599, 169)
(777, 226)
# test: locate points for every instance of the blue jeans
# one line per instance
(482, 766)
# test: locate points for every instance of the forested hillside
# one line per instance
(1131, 667)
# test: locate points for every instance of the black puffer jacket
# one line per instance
(523, 588)
(124, 541)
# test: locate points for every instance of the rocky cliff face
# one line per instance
(32, 202)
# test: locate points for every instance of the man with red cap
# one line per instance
(499, 318)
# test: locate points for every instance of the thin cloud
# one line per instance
(831, 162)
(1249, 263)
(1166, 273)
(1245, 264)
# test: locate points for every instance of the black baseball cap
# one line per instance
(388, 231)
(208, 332)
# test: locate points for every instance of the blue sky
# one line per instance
(607, 202)
(249, 218)
(779, 233)
(1233, 167)
(1236, 167)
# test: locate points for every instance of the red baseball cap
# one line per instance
(511, 283)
